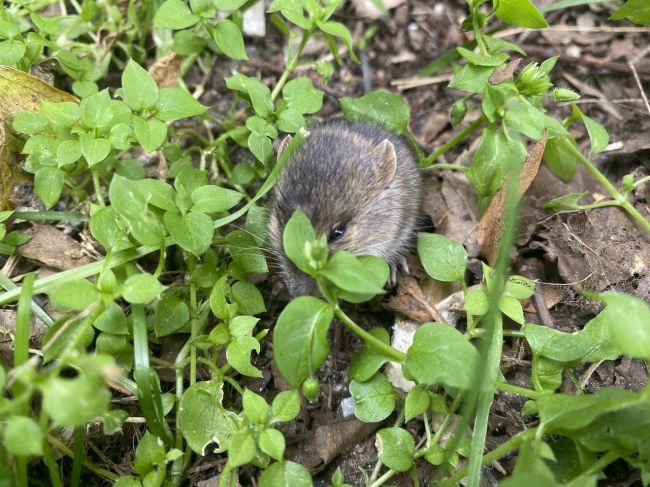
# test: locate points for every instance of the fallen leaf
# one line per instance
(166, 70)
(491, 225)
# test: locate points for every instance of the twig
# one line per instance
(638, 83)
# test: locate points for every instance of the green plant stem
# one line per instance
(178, 464)
(75, 476)
(368, 338)
(600, 464)
(503, 449)
(194, 328)
(454, 141)
(59, 445)
(291, 65)
(21, 340)
(619, 199)
(9, 285)
(52, 467)
(454, 167)
(520, 391)
(641, 182)
(98, 188)
(39, 216)
(416, 146)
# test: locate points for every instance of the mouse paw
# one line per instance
(404, 267)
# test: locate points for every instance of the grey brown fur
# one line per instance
(349, 173)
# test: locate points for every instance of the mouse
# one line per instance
(359, 184)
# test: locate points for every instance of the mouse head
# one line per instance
(340, 180)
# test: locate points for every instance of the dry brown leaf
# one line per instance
(411, 301)
(166, 70)
(490, 227)
(52, 247)
(502, 74)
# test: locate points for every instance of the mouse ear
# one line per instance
(385, 162)
(284, 144)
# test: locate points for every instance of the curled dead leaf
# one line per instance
(490, 228)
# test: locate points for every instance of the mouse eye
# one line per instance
(336, 234)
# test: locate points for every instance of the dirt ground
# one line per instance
(598, 250)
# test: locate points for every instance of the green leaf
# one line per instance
(510, 307)
(300, 338)
(290, 120)
(149, 454)
(87, 391)
(247, 256)
(150, 133)
(368, 361)
(531, 121)
(300, 95)
(297, 232)
(482, 59)
(520, 12)
(380, 107)
(443, 259)
(494, 156)
(193, 232)
(476, 302)
(339, 30)
(441, 354)
(29, 122)
(560, 160)
(638, 11)
(171, 315)
(396, 448)
(174, 14)
(140, 89)
(417, 402)
(238, 354)
(142, 288)
(598, 136)
(230, 4)
(12, 51)
(64, 114)
(292, 10)
(261, 147)
(285, 406)
(175, 103)
(565, 202)
(241, 448)
(74, 295)
(272, 443)
(374, 399)
(214, 199)
(23, 436)
(160, 194)
(112, 320)
(94, 149)
(630, 329)
(285, 474)
(105, 227)
(96, 110)
(48, 183)
(69, 151)
(201, 417)
(229, 39)
(471, 78)
(248, 298)
(255, 407)
(260, 96)
(375, 269)
(348, 273)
